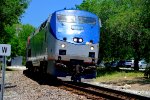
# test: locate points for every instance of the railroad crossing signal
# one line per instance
(5, 50)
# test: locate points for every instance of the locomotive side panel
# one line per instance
(51, 48)
(37, 48)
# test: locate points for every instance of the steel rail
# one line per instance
(105, 92)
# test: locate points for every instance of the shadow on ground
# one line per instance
(42, 79)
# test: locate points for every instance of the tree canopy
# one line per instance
(19, 39)
(10, 13)
(125, 31)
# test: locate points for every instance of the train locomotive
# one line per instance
(66, 44)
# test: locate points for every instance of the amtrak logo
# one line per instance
(71, 30)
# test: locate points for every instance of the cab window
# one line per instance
(86, 20)
(65, 18)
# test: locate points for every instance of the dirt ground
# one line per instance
(139, 84)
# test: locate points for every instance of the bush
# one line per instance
(147, 71)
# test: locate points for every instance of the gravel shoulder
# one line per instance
(140, 86)
(20, 87)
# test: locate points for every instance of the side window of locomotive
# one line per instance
(87, 20)
(66, 18)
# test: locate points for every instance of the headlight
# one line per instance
(63, 45)
(92, 48)
(75, 39)
(80, 40)
(88, 43)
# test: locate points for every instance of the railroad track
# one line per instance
(97, 92)
(90, 91)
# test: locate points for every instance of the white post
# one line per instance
(5, 50)
(3, 78)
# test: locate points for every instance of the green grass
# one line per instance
(105, 75)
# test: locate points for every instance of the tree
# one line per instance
(125, 32)
(19, 40)
(24, 33)
(10, 13)
(145, 20)
(126, 23)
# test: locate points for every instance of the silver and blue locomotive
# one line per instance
(66, 44)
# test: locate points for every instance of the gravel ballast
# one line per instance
(20, 87)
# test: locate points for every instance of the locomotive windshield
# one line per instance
(87, 20)
(64, 18)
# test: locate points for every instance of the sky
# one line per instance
(39, 10)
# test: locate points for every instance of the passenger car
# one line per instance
(142, 64)
(129, 63)
(114, 64)
(121, 63)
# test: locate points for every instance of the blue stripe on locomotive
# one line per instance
(62, 30)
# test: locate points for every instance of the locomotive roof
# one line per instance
(74, 10)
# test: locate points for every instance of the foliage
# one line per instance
(18, 40)
(125, 28)
(147, 71)
(10, 12)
